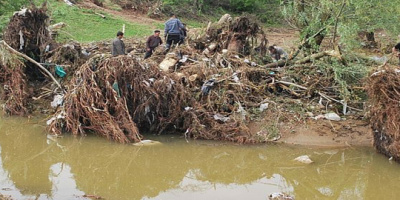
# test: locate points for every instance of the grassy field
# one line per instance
(85, 25)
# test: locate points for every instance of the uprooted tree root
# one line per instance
(13, 79)
(384, 94)
(241, 35)
(27, 32)
(117, 97)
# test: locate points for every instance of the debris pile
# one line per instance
(384, 95)
(115, 97)
(241, 35)
(26, 32)
(208, 88)
(13, 82)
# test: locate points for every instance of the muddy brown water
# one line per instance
(34, 166)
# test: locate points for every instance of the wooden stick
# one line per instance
(34, 62)
(101, 15)
(332, 53)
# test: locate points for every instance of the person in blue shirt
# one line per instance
(172, 31)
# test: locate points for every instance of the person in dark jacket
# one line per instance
(152, 42)
(118, 46)
(172, 31)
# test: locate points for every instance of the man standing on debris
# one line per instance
(118, 46)
(396, 51)
(152, 42)
(172, 31)
(277, 53)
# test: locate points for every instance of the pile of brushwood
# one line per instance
(27, 32)
(203, 94)
(209, 88)
(14, 84)
(384, 95)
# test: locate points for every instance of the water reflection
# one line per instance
(33, 166)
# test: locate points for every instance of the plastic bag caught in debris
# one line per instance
(332, 117)
(206, 88)
(263, 107)
(58, 100)
(221, 117)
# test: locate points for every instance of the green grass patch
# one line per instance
(84, 25)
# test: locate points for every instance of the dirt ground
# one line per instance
(321, 132)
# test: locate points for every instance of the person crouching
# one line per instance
(152, 42)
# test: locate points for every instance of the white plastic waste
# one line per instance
(221, 117)
(58, 100)
(263, 107)
(332, 117)
(304, 159)
(146, 143)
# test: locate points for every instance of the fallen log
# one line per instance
(332, 53)
(280, 63)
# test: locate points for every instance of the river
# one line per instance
(36, 166)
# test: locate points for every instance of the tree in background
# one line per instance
(315, 19)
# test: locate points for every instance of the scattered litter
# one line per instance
(184, 59)
(21, 12)
(21, 40)
(221, 117)
(263, 107)
(188, 108)
(332, 116)
(58, 100)
(60, 71)
(280, 196)
(206, 88)
(59, 116)
(242, 111)
(235, 77)
(146, 143)
(68, 2)
(304, 159)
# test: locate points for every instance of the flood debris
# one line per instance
(304, 159)
(384, 94)
(147, 143)
(280, 196)
(332, 116)
(209, 88)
